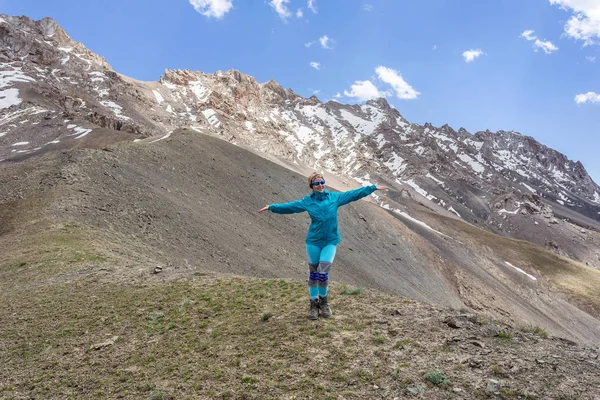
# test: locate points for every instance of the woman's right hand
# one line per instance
(265, 208)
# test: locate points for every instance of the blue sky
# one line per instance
(529, 66)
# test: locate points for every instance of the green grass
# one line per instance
(266, 316)
(352, 291)
(207, 337)
(54, 250)
(536, 330)
(378, 339)
(436, 377)
(185, 338)
(504, 335)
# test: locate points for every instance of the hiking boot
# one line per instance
(313, 312)
(324, 307)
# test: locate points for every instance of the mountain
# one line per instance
(102, 176)
(57, 93)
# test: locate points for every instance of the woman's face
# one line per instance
(318, 185)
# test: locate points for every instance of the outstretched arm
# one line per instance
(356, 194)
(285, 208)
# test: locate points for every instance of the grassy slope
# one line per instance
(228, 337)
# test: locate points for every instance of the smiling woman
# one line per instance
(323, 235)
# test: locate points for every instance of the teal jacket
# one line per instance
(322, 208)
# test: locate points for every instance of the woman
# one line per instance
(323, 235)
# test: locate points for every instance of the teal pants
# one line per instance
(319, 263)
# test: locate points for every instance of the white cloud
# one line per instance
(280, 8)
(591, 59)
(591, 97)
(363, 91)
(316, 92)
(584, 24)
(315, 65)
(547, 45)
(311, 5)
(299, 13)
(338, 95)
(325, 42)
(528, 34)
(308, 44)
(472, 54)
(402, 89)
(368, 7)
(212, 8)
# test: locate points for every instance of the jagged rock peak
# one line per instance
(448, 128)
(275, 93)
(16, 33)
(236, 75)
(314, 100)
(380, 103)
(180, 76)
(46, 27)
(49, 26)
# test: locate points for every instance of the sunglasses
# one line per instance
(321, 182)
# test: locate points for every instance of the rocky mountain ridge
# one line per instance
(57, 94)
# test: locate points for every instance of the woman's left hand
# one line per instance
(381, 187)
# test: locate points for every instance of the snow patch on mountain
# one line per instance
(9, 97)
(115, 108)
(454, 211)
(473, 164)
(419, 190)
(362, 126)
(81, 132)
(158, 96)
(436, 180)
(162, 137)
(250, 126)
(410, 218)
(533, 278)
(200, 91)
(505, 211)
(532, 190)
(101, 92)
(396, 165)
(97, 76)
(211, 117)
